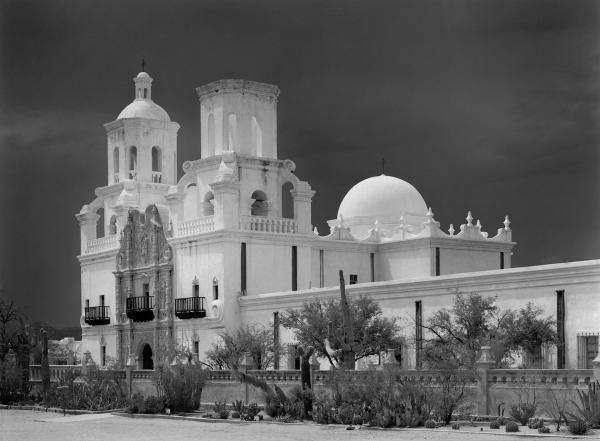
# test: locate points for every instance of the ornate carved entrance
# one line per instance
(143, 286)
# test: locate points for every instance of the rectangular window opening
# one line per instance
(419, 333)
(372, 267)
(501, 260)
(243, 269)
(102, 300)
(215, 291)
(196, 347)
(353, 279)
(294, 268)
(321, 269)
(560, 329)
(196, 290)
(437, 261)
(103, 355)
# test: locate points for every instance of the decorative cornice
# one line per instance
(171, 126)
(218, 87)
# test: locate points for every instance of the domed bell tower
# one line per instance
(142, 141)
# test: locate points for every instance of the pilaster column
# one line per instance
(118, 299)
(302, 207)
(483, 365)
(87, 223)
(227, 195)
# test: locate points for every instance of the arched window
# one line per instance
(116, 160)
(232, 130)
(100, 223)
(287, 201)
(211, 135)
(260, 205)
(215, 288)
(257, 141)
(156, 159)
(208, 207)
(132, 162)
(112, 226)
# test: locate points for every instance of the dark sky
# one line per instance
(489, 106)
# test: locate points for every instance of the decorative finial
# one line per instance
(469, 219)
(451, 230)
(478, 224)
(315, 231)
(383, 166)
(340, 220)
(376, 224)
(143, 64)
(430, 213)
(506, 223)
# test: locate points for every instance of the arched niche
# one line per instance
(208, 207)
(232, 132)
(210, 132)
(287, 201)
(190, 202)
(100, 223)
(112, 226)
(156, 159)
(260, 206)
(116, 160)
(132, 162)
(257, 141)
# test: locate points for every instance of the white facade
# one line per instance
(236, 231)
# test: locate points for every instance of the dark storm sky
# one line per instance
(491, 106)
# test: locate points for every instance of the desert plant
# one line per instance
(455, 426)
(578, 426)
(322, 412)
(588, 408)
(181, 385)
(430, 424)
(237, 405)
(501, 420)
(544, 429)
(494, 425)
(249, 412)
(535, 423)
(524, 409)
(220, 409)
(235, 414)
(511, 426)
(154, 405)
(555, 406)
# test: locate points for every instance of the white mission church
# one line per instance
(169, 263)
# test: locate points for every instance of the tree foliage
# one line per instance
(373, 332)
(254, 341)
(455, 336)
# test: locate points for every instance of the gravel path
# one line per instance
(20, 425)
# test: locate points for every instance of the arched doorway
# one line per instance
(147, 362)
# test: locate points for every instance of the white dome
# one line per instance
(144, 108)
(382, 197)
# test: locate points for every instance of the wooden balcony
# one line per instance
(190, 307)
(97, 315)
(140, 309)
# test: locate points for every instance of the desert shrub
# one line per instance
(494, 424)
(11, 383)
(578, 426)
(237, 405)
(135, 403)
(154, 405)
(249, 412)
(501, 420)
(525, 408)
(544, 429)
(357, 420)
(322, 412)
(588, 407)
(235, 414)
(220, 409)
(535, 423)
(430, 424)
(181, 385)
(455, 426)
(294, 410)
(511, 426)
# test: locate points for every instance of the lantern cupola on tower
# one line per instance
(142, 141)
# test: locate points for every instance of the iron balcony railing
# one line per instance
(140, 309)
(190, 307)
(97, 315)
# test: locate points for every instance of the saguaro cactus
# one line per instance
(45, 364)
(346, 333)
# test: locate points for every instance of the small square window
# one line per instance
(353, 279)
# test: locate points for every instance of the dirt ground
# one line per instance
(28, 425)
